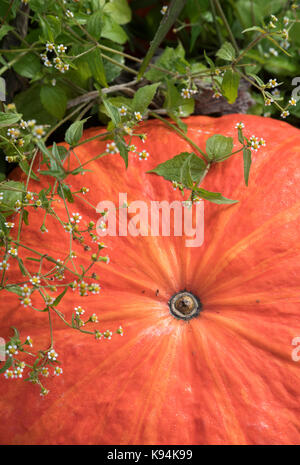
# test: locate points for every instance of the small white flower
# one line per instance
(120, 331)
(138, 116)
(79, 310)
(143, 155)
(95, 288)
(272, 83)
(50, 47)
(268, 101)
(52, 355)
(47, 63)
(128, 129)
(13, 251)
(9, 374)
(12, 350)
(293, 102)
(57, 371)
(23, 124)
(69, 14)
(14, 133)
(284, 114)
(35, 280)
(61, 49)
(286, 20)
(4, 265)
(123, 110)
(26, 301)
(29, 340)
(31, 123)
(29, 197)
(45, 371)
(9, 225)
(102, 225)
(68, 227)
(98, 335)
(164, 9)
(38, 131)
(239, 125)
(25, 290)
(262, 142)
(111, 148)
(273, 51)
(1, 195)
(18, 372)
(132, 148)
(107, 334)
(76, 217)
(285, 44)
(185, 93)
(217, 94)
(276, 92)
(94, 318)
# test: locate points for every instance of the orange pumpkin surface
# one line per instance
(224, 377)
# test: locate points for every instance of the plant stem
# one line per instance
(181, 133)
(221, 13)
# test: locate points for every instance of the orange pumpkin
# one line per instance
(227, 375)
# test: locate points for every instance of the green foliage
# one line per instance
(78, 64)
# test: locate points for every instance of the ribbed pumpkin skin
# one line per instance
(225, 377)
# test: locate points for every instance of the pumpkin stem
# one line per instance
(185, 305)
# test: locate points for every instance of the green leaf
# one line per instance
(64, 192)
(25, 217)
(5, 29)
(6, 365)
(122, 147)
(28, 65)
(29, 104)
(59, 297)
(247, 164)
(256, 78)
(24, 165)
(172, 59)
(112, 71)
(119, 10)
(254, 28)
(143, 97)
(15, 289)
(214, 197)
(226, 52)
(209, 62)
(94, 24)
(219, 147)
(171, 169)
(74, 132)
(95, 62)
(54, 100)
(177, 105)
(21, 266)
(230, 85)
(186, 174)
(51, 27)
(12, 191)
(113, 31)
(8, 119)
(168, 20)
(112, 111)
